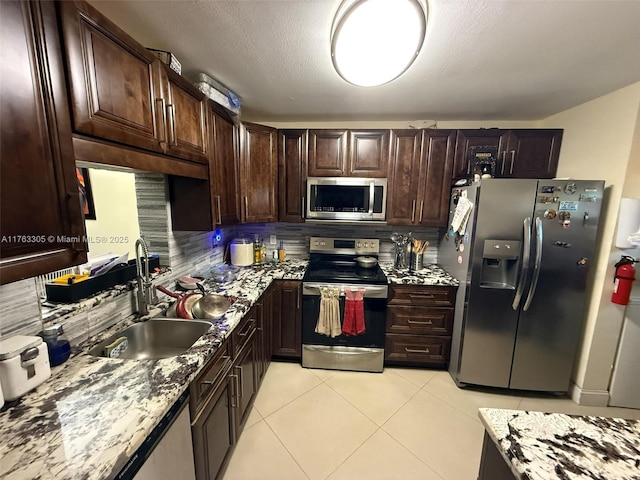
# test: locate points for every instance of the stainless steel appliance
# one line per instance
(347, 199)
(332, 264)
(522, 250)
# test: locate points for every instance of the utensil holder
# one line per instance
(416, 261)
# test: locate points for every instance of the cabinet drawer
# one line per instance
(419, 320)
(417, 348)
(212, 374)
(242, 333)
(422, 295)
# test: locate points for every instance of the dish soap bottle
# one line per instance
(57, 344)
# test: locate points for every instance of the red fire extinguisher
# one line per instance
(623, 280)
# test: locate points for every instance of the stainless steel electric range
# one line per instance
(352, 298)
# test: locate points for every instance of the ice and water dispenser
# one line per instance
(500, 264)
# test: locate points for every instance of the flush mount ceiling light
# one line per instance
(375, 41)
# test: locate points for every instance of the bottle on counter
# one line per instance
(57, 344)
(257, 251)
(263, 252)
(281, 252)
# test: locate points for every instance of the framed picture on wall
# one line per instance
(86, 196)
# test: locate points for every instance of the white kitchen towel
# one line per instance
(329, 315)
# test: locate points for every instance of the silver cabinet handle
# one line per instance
(302, 212)
(172, 118)
(421, 207)
(234, 390)
(536, 266)
(241, 392)
(415, 350)
(415, 322)
(513, 157)
(504, 160)
(413, 211)
(163, 117)
(219, 210)
(246, 207)
(526, 224)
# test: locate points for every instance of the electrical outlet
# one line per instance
(272, 240)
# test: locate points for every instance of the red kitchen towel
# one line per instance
(353, 323)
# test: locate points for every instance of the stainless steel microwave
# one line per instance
(346, 199)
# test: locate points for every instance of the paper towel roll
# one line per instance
(628, 221)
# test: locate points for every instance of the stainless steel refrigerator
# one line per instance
(522, 250)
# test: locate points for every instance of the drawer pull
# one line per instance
(415, 322)
(421, 296)
(234, 380)
(415, 350)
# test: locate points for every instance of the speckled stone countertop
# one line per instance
(544, 446)
(429, 275)
(93, 413)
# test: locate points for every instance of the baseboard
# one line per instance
(590, 398)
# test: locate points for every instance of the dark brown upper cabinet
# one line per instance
(521, 153)
(350, 153)
(258, 168)
(41, 219)
(122, 93)
(184, 116)
(292, 175)
(419, 177)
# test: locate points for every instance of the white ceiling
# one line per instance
(482, 59)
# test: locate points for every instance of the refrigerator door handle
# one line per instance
(525, 263)
(536, 267)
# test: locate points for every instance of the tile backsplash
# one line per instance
(186, 253)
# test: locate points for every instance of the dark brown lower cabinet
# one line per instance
(222, 395)
(212, 405)
(287, 319)
(419, 325)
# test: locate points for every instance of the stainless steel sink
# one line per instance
(155, 338)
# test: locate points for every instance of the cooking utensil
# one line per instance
(366, 262)
(210, 306)
(183, 309)
(189, 283)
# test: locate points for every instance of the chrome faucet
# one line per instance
(146, 294)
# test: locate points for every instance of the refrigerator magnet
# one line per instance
(550, 213)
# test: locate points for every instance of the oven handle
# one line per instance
(371, 291)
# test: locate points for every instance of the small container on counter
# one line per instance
(24, 364)
(416, 261)
(57, 344)
(281, 252)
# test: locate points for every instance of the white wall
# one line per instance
(597, 141)
(115, 229)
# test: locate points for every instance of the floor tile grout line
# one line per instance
(354, 451)
(287, 450)
(290, 401)
(411, 453)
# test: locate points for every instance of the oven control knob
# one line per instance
(359, 244)
(322, 244)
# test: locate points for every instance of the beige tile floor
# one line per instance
(401, 424)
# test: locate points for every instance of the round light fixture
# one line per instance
(375, 41)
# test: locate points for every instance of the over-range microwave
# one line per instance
(346, 199)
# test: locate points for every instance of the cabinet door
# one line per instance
(264, 322)
(113, 80)
(475, 138)
(368, 153)
(223, 169)
(245, 370)
(292, 174)
(213, 432)
(185, 116)
(436, 167)
(41, 219)
(403, 176)
(287, 319)
(531, 154)
(258, 169)
(327, 153)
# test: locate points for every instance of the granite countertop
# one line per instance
(429, 275)
(543, 446)
(93, 413)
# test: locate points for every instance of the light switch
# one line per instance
(272, 240)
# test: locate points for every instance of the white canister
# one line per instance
(24, 364)
(241, 252)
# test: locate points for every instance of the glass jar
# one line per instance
(57, 344)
